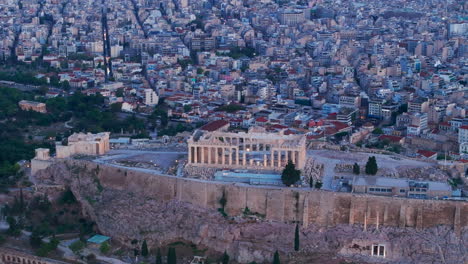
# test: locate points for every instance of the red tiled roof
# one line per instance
(445, 124)
(278, 126)
(395, 139)
(339, 125)
(464, 127)
(261, 119)
(215, 125)
(426, 153)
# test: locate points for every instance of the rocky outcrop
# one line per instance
(125, 213)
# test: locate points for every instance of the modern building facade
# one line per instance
(463, 139)
(151, 98)
(401, 187)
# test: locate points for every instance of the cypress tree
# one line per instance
(171, 256)
(356, 169)
(144, 249)
(158, 257)
(311, 182)
(371, 166)
(225, 259)
(296, 238)
(276, 259)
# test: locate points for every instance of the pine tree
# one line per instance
(171, 256)
(371, 166)
(225, 259)
(296, 239)
(290, 175)
(144, 249)
(356, 169)
(159, 257)
(276, 259)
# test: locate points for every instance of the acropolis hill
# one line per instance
(413, 231)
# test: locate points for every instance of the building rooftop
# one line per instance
(400, 183)
(98, 239)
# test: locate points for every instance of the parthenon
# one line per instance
(256, 149)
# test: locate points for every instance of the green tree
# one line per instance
(311, 182)
(187, 108)
(77, 246)
(223, 200)
(225, 258)
(290, 175)
(14, 227)
(104, 248)
(296, 238)
(276, 259)
(67, 197)
(377, 131)
(371, 166)
(171, 256)
(159, 257)
(65, 85)
(119, 92)
(356, 169)
(318, 185)
(144, 249)
(35, 240)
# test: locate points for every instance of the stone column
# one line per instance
(223, 156)
(190, 154)
(210, 149)
(280, 157)
(216, 156)
(272, 158)
(286, 156)
(202, 155)
(265, 160)
(195, 158)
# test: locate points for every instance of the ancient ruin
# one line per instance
(256, 149)
(85, 144)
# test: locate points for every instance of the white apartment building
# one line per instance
(463, 139)
(151, 98)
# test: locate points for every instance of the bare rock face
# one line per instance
(126, 216)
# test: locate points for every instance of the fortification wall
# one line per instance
(288, 205)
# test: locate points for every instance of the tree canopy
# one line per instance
(290, 174)
(371, 166)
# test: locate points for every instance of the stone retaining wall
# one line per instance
(287, 205)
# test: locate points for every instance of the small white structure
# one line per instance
(41, 160)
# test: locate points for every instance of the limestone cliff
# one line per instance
(131, 205)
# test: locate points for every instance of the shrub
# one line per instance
(77, 246)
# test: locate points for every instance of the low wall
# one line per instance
(13, 256)
(287, 204)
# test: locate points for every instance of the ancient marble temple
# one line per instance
(256, 149)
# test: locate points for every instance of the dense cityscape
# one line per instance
(233, 131)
